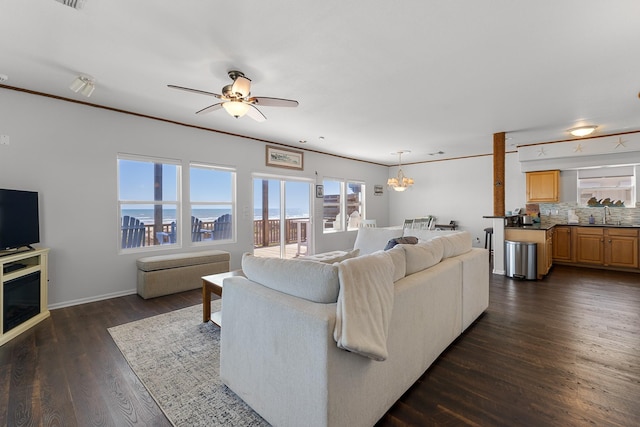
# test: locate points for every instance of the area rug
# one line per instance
(177, 358)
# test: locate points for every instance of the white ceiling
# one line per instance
(372, 77)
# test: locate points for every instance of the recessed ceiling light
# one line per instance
(583, 130)
(303, 141)
(3, 77)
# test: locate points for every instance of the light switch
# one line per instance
(4, 140)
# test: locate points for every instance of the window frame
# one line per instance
(120, 202)
(343, 204)
(231, 203)
(604, 177)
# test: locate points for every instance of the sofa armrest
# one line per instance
(269, 338)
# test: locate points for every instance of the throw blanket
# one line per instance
(365, 302)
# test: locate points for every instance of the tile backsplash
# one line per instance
(557, 213)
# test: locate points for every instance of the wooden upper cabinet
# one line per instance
(543, 186)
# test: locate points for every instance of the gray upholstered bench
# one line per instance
(169, 274)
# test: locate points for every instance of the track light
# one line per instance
(85, 85)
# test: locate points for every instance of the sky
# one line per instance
(137, 183)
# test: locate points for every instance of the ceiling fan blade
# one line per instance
(255, 114)
(210, 108)
(201, 92)
(273, 102)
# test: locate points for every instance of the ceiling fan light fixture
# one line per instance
(582, 130)
(84, 85)
(236, 108)
(241, 87)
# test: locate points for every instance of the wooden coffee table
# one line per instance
(213, 284)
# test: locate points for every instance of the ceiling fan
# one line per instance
(236, 99)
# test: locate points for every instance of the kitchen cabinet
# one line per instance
(562, 243)
(544, 245)
(621, 247)
(589, 245)
(543, 186)
(607, 247)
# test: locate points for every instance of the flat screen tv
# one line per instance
(19, 220)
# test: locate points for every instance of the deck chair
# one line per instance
(197, 230)
(133, 232)
(222, 227)
(165, 238)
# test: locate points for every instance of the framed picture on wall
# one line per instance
(377, 190)
(284, 158)
(320, 191)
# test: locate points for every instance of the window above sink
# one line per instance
(607, 186)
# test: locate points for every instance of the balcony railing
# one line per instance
(272, 232)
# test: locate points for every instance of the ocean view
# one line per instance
(207, 214)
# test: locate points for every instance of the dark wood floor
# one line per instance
(563, 351)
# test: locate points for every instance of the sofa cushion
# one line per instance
(399, 262)
(370, 240)
(455, 244)
(164, 262)
(423, 255)
(409, 240)
(313, 281)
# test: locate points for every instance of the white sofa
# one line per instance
(278, 351)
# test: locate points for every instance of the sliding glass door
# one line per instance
(282, 217)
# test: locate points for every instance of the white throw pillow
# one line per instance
(455, 244)
(422, 255)
(370, 240)
(313, 281)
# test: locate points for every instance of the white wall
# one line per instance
(460, 190)
(67, 152)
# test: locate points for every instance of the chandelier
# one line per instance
(401, 182)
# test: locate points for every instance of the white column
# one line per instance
(498, 245)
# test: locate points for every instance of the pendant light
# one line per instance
(401, 182)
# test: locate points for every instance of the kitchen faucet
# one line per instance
(604, 217)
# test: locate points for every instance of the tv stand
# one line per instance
(16, 266)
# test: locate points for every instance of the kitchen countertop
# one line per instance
(605, 225)
(550, 226)
(538, 226)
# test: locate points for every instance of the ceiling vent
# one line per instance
(76, 4)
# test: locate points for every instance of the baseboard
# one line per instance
(91, 299)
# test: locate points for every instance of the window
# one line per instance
(615, 186)
(212, 196)
(335, 203)
(355, 204)
(148, 201)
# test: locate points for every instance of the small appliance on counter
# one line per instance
(527, 220)
(572, 217)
